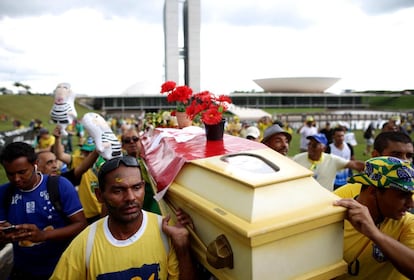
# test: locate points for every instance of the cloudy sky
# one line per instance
(104, 47)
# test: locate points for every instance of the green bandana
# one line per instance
(386, 172)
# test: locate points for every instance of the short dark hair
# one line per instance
(113, 164)
(338, 128)
(383, 139)
(16, 150)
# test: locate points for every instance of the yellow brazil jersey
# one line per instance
(76, 159)
(46, 142)
(145, 255)
(349, 190)
(372, 263)
(91, 206)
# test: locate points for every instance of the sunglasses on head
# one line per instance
(114, 164)
(127, 140)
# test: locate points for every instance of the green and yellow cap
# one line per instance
(386, 172)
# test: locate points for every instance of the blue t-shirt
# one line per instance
(34, 207)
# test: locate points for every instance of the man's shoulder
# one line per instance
(4, 187)
(151, 215)
(348, 191)
(335, 158)
(404, 225)
(300, 156)
(408, 218)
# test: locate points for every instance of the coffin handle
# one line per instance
(218, 253)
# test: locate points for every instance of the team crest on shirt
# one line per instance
(30, 207)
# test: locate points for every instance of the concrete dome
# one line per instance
(143, 88)
(297, 84)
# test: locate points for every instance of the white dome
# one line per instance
(297, 84)
(147, 88)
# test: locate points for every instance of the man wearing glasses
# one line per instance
(129, 243)
(130, 142)
(131, 145)
(379, 232)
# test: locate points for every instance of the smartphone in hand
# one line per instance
(8, 229)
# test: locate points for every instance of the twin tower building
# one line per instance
(182, 42)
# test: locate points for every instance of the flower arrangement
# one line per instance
(181, 95)
(208, 106)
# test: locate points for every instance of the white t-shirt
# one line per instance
(325, 170)
(304, 132)
(342, 175)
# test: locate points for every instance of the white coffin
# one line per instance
(279, 224)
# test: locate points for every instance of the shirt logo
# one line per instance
(145, 272)
(30, 207)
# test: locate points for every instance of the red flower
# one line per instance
(168, 86)
(211, 116)
(181, 95)
(208, 106)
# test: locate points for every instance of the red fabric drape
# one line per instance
(165, 160)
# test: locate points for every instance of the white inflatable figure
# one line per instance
(63, 110)
(107, 144)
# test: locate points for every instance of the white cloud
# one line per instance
(93, 53)
(105, 51)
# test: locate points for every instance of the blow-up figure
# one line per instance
(63, 111)
(107, 144)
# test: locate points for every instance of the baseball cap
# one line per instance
(319, 137)
(386, 172)
(43, 131)
(309, 119)
(253, 132)
(271, 130)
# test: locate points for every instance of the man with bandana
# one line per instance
(390, 143)
(379, 231)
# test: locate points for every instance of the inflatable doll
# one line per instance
(63, 111)
(107, 144)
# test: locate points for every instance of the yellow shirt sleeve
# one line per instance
(72, 262)
(348, 190)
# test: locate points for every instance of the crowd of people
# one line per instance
(89, 189)
(99, 218)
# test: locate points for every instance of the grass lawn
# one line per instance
(27, 107)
